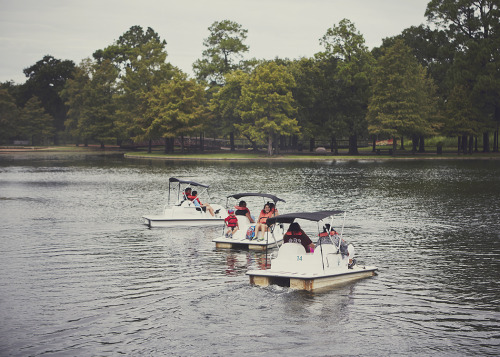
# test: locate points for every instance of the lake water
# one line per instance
(80, 274)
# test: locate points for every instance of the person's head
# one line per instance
(231, 212)
(243, 204)
(267, 207)
(294, 227)
(188, 190)
(271, 205)
(195, 193)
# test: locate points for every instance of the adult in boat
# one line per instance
(331, 236)
(267, 212)
(242, 210)
(204, 206)
(295, 234)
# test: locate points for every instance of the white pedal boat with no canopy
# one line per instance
(184, 212)
(327, 266)
(239, 239)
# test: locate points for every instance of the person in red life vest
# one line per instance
(231, 222)
(204, 206)
(261, 225)
(242, 210)
(295, 234)
(187, 194)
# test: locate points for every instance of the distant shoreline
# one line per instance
(247, 156)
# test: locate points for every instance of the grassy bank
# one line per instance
(364, 154)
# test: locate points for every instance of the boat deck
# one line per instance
(308, 281)
(243, 243)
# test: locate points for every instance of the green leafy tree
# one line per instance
(91, 98)
(403, 100)
(140, 57)
(461, 118)
(172, 109)
(75, 95)
(9, 114)
(354, 64)
(432, 49)
(225, 103)
(473, 27)
(308, 97)
(98, 119)
(37, 124)
(224, 52)
(46, 78)
(267, 107)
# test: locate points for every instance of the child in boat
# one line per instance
(231, 222)
(295, 234)
(261, 225)
(204, 206)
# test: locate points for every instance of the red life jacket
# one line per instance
(231, 221)
(325, 234)
(190, 197)
(290, 233)
(264, 216)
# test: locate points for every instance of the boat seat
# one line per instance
(243, 221)
(326, 249)
(187, 203)
(291, 250)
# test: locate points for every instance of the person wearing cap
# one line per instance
(231, 222)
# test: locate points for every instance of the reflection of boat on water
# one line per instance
(240, 240)
(185, 212)
(238, 261)
(331, 263)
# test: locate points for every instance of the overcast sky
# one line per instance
(74, 29)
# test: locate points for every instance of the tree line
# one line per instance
(437, 79)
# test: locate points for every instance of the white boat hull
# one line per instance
(186, 215)
(295, 268)
(165, 222)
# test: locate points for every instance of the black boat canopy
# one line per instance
(272, 197)
(309, 216)
(192, 183)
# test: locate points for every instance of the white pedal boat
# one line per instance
(239, 239)
(327, 266)
(184, 212)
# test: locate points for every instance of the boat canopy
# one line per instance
(192, 183)
(272, 197)
(309, 216)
